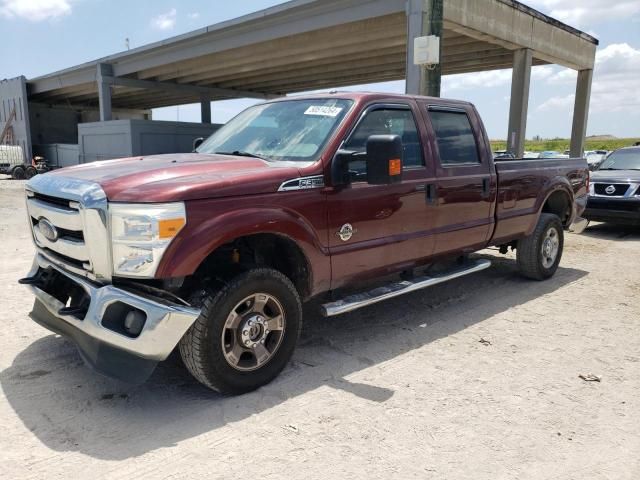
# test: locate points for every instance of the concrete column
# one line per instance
(520, 80)
(581, 112)
(205, 110)
(424, 17)
(104, 90)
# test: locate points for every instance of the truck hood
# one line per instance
(179, 177)
(616, 176)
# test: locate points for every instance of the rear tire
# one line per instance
(246, 333)
(18, 173)
(539, 254)
(30, 172)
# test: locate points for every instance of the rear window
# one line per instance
(455, 137)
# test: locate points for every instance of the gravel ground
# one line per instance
(474, 379)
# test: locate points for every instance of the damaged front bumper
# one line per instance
(119, 333)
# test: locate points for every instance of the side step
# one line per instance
(359, 300)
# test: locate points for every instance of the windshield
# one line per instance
(627, 159)
(293, 130)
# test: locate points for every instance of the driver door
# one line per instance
(380, 229)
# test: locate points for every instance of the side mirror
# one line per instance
(340, 175)
(197, 142)
(384, 159)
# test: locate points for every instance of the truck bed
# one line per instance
(520, 182)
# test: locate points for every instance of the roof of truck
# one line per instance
(369, 96)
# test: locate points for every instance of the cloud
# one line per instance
(492, 78)
(193, 16)
(465, 81)
(615, 79)
(35, 10)
(557, 103)
(615, 82)
(583, 13)
(165, 21)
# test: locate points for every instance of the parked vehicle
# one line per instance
(12, 162)
(503, 155)
(214, 252)
(595, 158)
(614, 194)
(552, 154)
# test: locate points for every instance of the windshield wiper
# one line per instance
(242, 153)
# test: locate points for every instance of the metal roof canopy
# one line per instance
(306, 45)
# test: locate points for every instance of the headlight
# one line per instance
(140, 234)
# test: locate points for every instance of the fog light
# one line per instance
(134, 321)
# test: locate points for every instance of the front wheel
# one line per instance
(539, 254)
(246, 332)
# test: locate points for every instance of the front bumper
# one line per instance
(623, 211)
(97, 328)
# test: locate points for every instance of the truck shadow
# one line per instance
(69, 408)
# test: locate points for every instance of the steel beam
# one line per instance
(520, 80)
(424, 17)
(103, 72)
(581, 112)
(179, 87)
(205, 110)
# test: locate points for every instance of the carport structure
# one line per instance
(306, 45)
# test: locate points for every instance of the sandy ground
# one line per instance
(475, 379)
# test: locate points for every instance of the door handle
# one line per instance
(432, 193)
(486, 187)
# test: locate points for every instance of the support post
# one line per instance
(424, 17)
(520, 81)
(581, 112)
(205, 110)
(104, 72)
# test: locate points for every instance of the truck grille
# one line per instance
(57, 227)
(617, 190)
(68, 220)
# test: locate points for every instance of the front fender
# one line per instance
(206, 231)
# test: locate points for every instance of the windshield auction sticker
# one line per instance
(323, 111)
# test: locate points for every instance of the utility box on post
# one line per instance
(426, 50)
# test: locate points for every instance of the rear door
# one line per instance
(378, 229)
(464, 190)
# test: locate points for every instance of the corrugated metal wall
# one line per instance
(14, 109)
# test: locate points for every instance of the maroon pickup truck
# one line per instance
(214, 252)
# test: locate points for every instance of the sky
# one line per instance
(42, 36)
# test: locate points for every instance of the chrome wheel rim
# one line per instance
(550, 247)
(253, 332)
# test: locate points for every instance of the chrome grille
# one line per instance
(68, 220)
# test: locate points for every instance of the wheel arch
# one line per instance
(558, 201)
(269, 237)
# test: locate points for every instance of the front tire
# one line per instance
(539, 254)
(246, 333)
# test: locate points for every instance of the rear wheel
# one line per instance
(246, 332)
(30, 172)
(539, 254)
(18, 173)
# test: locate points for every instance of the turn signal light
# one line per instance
(169, 228)
(395, 167)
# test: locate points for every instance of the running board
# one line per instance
(359, 300)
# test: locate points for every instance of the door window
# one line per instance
(387, 121)
(456, 140)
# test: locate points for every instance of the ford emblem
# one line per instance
(47, 229)
(610, 190)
